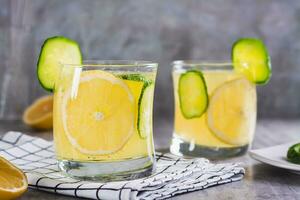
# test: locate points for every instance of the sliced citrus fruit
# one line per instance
(193, 95)
(100, 118)
(39, 114)
(232, 111)
(13, 182)
(250, 56)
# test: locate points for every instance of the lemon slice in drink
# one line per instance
(99, 118)
(229, 109)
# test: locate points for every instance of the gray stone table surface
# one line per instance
(260, 182)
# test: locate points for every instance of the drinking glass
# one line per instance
(225, 126)
(103, 119)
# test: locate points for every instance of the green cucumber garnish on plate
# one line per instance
(55, 51)
(293, 154)
(192, 91)
(250, 57)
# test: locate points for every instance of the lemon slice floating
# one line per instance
(230, 106)
(13, 182)
(99, 118)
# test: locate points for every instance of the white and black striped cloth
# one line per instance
(173, 175)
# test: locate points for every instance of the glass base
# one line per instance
(108, 171)
(183, 148)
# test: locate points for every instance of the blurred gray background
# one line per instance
(154, 30)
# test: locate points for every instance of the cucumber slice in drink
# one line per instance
(145, 107)
(193, 97)
(145, 103)
(250, 56)
(56, 50)
(135, 77)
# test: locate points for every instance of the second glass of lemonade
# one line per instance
(215, 110)
(103, 119)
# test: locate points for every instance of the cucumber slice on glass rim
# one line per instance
(56, 50)
(250, 57)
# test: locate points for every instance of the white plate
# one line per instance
(275, 156)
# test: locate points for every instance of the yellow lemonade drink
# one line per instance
(103, 119)
(215, 110)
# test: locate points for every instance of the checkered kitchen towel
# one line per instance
(173, 176)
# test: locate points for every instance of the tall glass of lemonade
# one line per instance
(103, 119)
(215, 110)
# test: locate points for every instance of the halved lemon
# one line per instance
(39, 114)
(231, 113)
(99, 116)
(13, 181)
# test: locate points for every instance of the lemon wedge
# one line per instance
(13, 182)
(39, 114)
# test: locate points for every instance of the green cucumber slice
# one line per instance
(250, 57)
(293, 154)
(135, 77)
(56, 50)
(192, 91)
(145, 104)
(145, 107)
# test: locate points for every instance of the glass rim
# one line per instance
(113, 63)
(203, 64)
